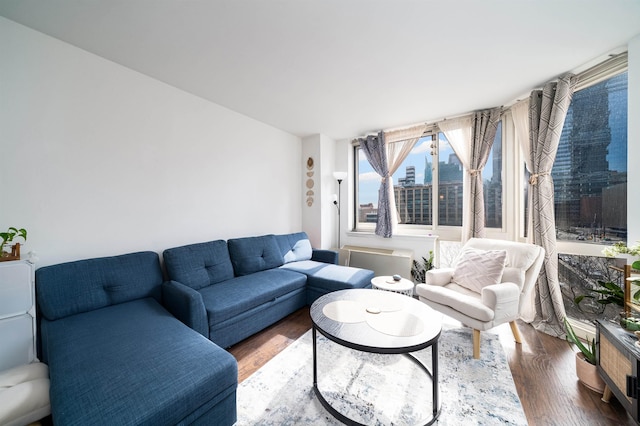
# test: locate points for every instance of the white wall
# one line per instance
(319, 220)
(97, 159)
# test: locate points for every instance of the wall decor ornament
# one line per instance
(309, 183)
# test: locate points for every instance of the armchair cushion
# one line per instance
(477, 269)
(457, 298)
(440, 276)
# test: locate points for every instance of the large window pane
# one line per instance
(492, 183)
(413, 185)
(368, 185)
(449, 185)
(590, 170)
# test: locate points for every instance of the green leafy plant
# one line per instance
(419, 269)
(7, 237)
(609, 293)
(588, 349)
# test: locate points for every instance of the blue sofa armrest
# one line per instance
(326, 256)
(185, 304)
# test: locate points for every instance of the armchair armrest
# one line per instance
(185, 304)
(439, 277)
(503, 299)
(326, 256)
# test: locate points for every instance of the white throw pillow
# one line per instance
(477, 269)
(300, 251)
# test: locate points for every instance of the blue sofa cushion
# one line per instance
(254, 254)
(286, 242)
(133, 363)
(331, 277)
(84, 285)
(199, 265)
(231, 298)
(301, 250)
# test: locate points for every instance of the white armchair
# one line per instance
(487, 286)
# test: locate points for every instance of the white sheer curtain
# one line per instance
(399, 145)
(520, 117)
(458, 133)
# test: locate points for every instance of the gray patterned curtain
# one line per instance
(485, 125)
(373, 147)
(547, 111)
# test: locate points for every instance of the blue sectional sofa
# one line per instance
(117, 356)
(125, 347)
(229, 290)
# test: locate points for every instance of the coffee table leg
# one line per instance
(434, 379)
(315, 362)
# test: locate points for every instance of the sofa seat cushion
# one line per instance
(331, 277)
(230, 298)
(133, 363)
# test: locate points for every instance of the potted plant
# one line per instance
(419, 270)
(585, 360)
(7, 238)
(624, 251)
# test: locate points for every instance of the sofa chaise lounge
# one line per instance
(117, 356)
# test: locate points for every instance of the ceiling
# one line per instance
(342, 68)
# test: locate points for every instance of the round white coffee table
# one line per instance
(404, 286)
(369, 321)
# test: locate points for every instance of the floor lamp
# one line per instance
(339, 176)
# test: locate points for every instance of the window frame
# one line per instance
(590, 77)
(445, 232)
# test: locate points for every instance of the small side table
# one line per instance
(385, 282)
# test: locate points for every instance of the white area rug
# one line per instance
(378, 389)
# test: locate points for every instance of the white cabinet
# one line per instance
(17, 314)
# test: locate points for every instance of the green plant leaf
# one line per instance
(611, 286)
(589, 354)
(636, 265)
(579, 299)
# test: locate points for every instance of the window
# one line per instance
(413, 186)
(449, 185)
(492, 183)
(590, 191)
(590, 170)
(431, 168)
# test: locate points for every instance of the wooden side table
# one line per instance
(618, 359)
(386, 283)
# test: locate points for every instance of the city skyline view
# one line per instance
(369, 180)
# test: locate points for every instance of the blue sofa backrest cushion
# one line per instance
(85, 285)
(254, 254)
(294, 247)
(199, 265)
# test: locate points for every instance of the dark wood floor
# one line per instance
(543, 369)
